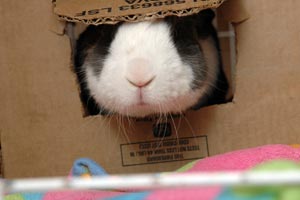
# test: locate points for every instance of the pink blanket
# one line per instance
(233, 161)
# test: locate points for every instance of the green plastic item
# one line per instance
(278, 192)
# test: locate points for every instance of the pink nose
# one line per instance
(139, 72)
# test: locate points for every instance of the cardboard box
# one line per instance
(41, 119)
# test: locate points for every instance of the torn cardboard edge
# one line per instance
(111, 12)
(133, 18)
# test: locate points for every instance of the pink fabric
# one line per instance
(202, 193)
(247, 158)
(233, 161)
(237, 160)
(80, 195)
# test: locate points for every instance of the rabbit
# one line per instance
(162, 66)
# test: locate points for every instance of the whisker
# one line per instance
(124, 130)
(176, 132)
(190, 126)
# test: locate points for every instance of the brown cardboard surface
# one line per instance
(234, 11)
(43, 131)
(34, 65)
(111, 12)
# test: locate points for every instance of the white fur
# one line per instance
(169, 92)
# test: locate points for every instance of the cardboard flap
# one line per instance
(234, 11)
(57, 26)
(111, 12)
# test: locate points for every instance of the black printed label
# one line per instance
(110, 11)
(141, 6)
(168, 150)
(144, 4)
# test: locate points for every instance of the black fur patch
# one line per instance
(186, 31)
(185, 38)
(92, 47)
(206, 29)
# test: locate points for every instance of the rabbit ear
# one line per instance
(201, 18)
(204, 23)
(205, 16)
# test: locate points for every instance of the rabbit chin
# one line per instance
(161, 108)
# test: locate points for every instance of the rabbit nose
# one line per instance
(139, 73)
(140, 84)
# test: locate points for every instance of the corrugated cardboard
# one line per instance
(42, 125)
(111, 12)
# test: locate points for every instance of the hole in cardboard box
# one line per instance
(227, 40)
(226, 36)
(162, 130)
